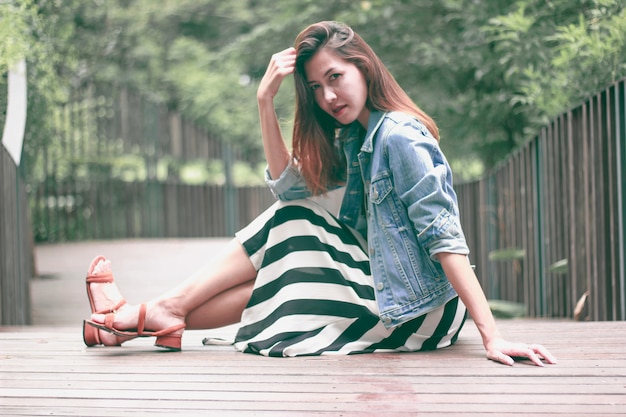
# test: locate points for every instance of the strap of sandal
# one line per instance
(141, 323)
(112, 309)
(99, 279)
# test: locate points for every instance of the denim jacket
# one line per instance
(402, 179)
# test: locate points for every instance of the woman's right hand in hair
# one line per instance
(282, 64)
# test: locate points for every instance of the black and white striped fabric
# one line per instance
(314, 292)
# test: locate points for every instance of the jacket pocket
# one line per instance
(380, 189)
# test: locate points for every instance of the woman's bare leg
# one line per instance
(227, 271)
(222, 310)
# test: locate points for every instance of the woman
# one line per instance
(390, 273)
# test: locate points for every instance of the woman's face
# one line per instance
(339, 87)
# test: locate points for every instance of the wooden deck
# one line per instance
(49, 372)
(46, 370)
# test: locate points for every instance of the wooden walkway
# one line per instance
(46, 370)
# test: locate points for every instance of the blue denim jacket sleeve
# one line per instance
(289, 186)
(423, 181)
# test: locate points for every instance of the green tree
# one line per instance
(491, 72)
(26, 33)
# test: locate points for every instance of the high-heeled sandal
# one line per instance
(164, 338)
(91, 335)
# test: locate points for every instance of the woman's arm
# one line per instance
(462, 277)
(276, 152)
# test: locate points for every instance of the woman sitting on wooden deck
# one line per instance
(389, 273)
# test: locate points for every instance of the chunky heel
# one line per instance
(90, 335)
(171, 342)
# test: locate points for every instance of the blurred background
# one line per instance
(142, 123)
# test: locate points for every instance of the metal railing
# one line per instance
(546, 228)
(112, 170)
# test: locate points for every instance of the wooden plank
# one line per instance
(446, 405)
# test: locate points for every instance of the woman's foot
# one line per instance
(151, 319)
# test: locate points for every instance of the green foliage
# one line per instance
(19, 27)
(558, 53)
(212, 172)
(14, 34)
(503, 309)
(491, 72)
(32, 30)
(559, 267)
(507, 254)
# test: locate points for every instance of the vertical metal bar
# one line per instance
(491, 206)
(610, 193)
(620, 140)
(595, 249)
(527, 222)
(152, 195)
(538, 169)
(230, 203)
(561, 212)
(588, 155)
(483, 207)
(572, 256)
(546, 210)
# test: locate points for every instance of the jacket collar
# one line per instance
(374, 122)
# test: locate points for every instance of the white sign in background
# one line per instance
(13, 135)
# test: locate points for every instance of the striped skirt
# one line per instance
(314, 292)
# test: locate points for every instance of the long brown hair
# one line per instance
(314, 130)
